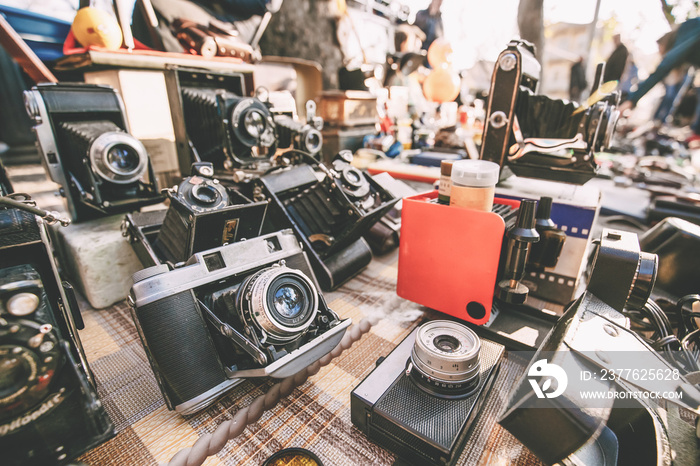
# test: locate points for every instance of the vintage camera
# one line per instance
(248, 309)
(49, 411)
(535, 136)
(84, 138)
(303, 136)
(421, 400)
(330, 209)
(592, 336)
(203, 215)
(226, 129)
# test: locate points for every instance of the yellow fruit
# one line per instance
(93, 26)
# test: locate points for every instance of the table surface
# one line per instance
(316, 415)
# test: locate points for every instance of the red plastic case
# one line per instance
(448, 256)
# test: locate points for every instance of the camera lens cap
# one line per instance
(293, 457)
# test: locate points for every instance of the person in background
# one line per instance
(577, 80)
(617, 61)
(430, 22)
(678, 47)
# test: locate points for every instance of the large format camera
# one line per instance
(83, 136)
(203, 214)
(248, 309)
(49, 411)
(226, 129)
(330, 209)
(423, 397)
(535, 136)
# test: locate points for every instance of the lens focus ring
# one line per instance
(118, 157)
(446, 355)
(281, 301)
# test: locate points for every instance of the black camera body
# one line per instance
(594, 336)
(532, 135)
(420, 401)
(330, 209)
(84, 139)
(226, 129)
(248, 309)
(203, 214)
(49, 411)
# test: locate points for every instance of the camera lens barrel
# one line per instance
(301, 136)
(281, 301)
(445, 359)
(29, 357)
(202, 194)
(118, 157)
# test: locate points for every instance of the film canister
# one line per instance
(473, 184)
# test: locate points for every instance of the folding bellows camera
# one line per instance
(247, 309)
(84, 139)
(532, 135)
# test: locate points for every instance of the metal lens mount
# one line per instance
(118, 157)
(313, 140)
(29, 358)
(281, 301)
(445, 359)
(202, 194)
(254, 123)
(354, 183)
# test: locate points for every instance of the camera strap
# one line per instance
(233, 335)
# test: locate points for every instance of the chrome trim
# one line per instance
(205, 399)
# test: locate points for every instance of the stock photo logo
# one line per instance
(544, 373)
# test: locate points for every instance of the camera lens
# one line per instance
(254, 123)
(16, 369)
(281, 301)
(445, 359)
(205, 194)
(352, 176)
(118, 157)
(313, 141)
(122, 158)
(289, 301)
(446, 343)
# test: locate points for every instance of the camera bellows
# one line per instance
(204, 127)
